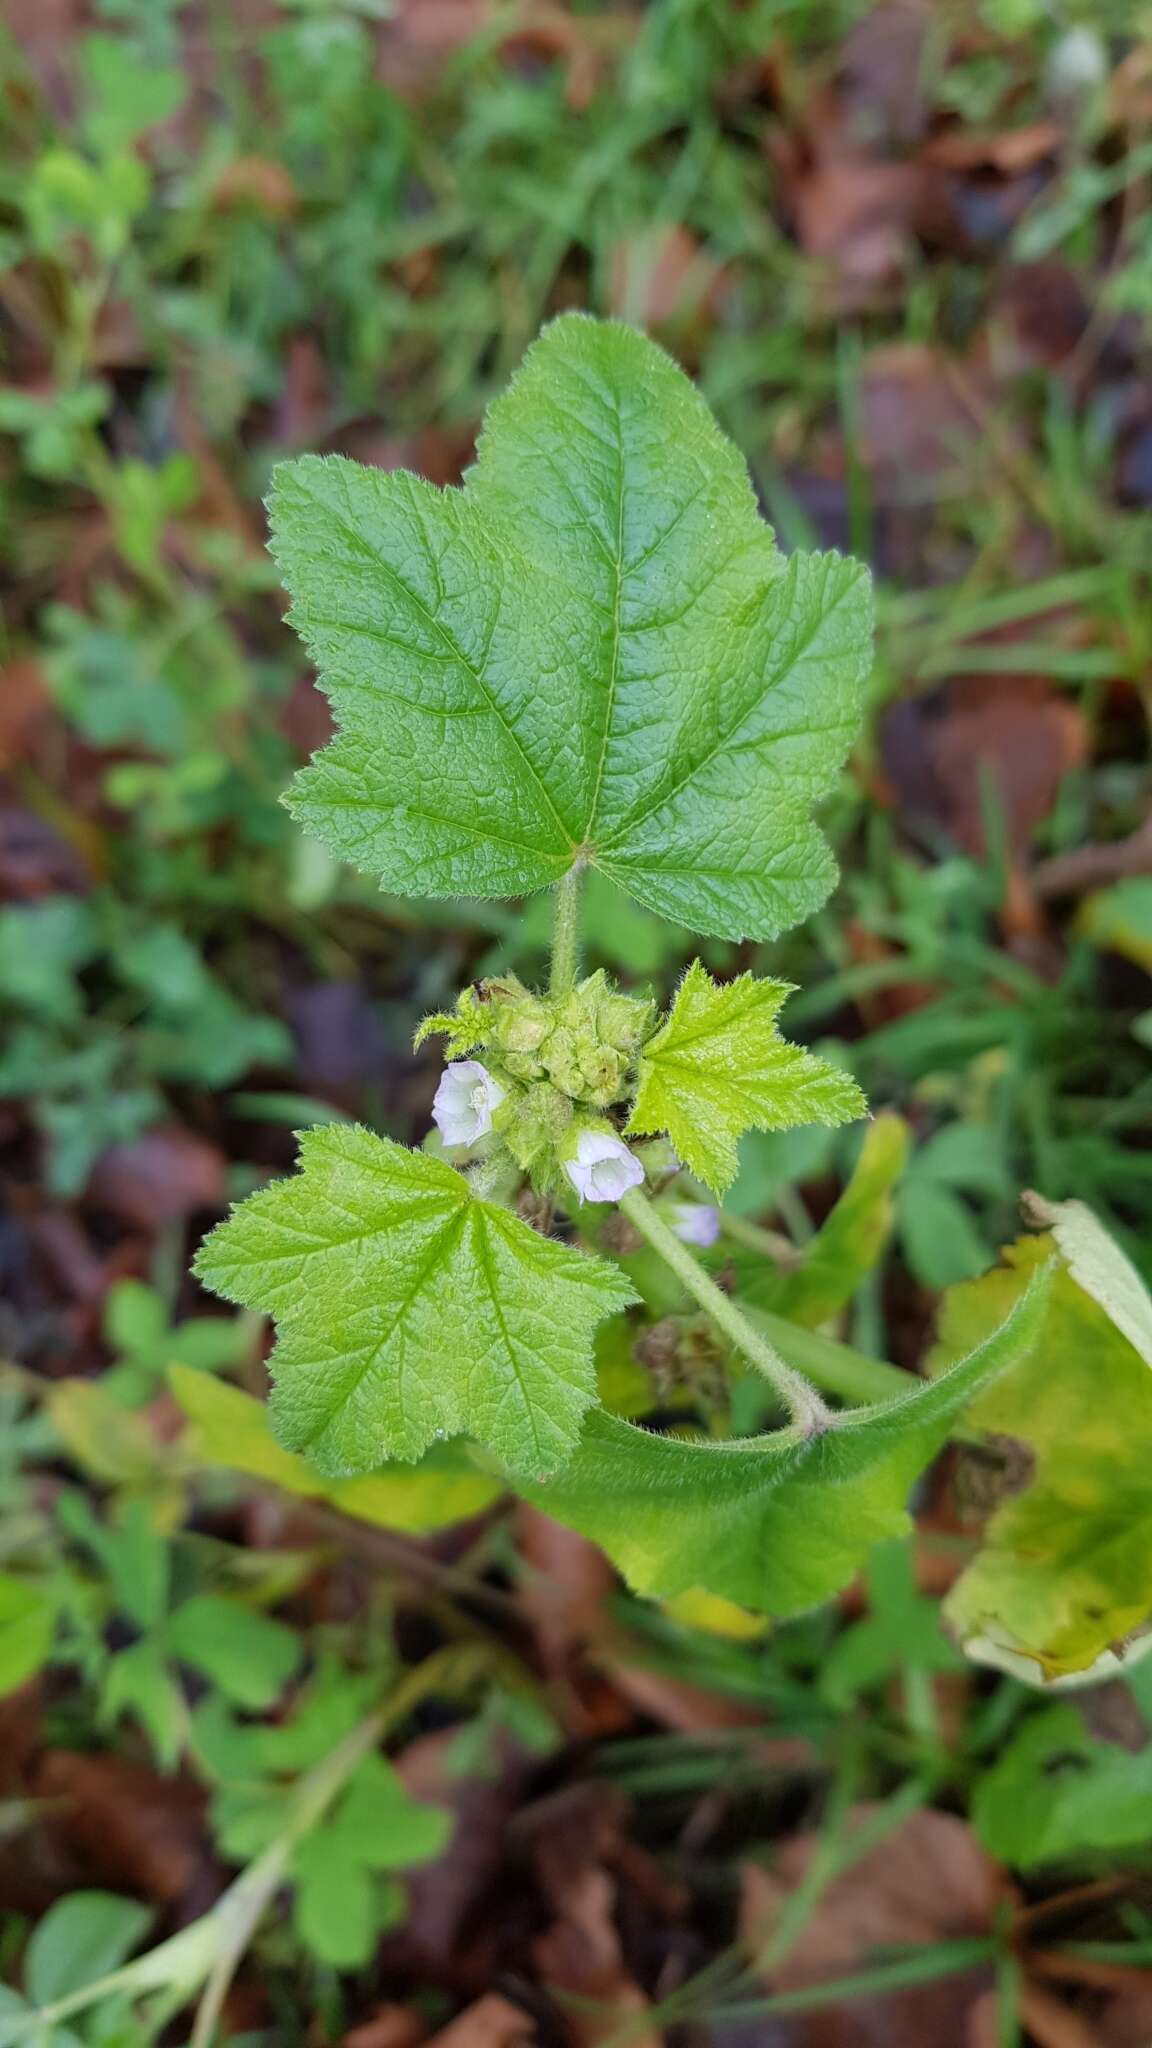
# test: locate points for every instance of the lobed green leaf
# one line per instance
(593, 652)
(718, 1067)
(409, 1309)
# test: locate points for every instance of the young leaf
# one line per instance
(592, 652)
(233, 1429)
(718, 1067)
(776, 1526)
(1063, 1573)
(410, 1309)
(848, 1244)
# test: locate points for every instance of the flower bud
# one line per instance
(696, 1223)
(602, 1168)
(464, 1102)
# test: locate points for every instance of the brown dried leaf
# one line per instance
(882, 71)
(133, 1827)
(660, 275)
(493, 2022)
(573, 1834)
(916, 430)
(1013, 151)
(1012, 733)
(160, 1178)
(442, 1895)
(564, 1588)
(258, 182)
(391, 2026)
(927, 1880)
(854, 216)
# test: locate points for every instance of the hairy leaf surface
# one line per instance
(591, 652)
(775, 1525)
(408, 1309)
(718, 1067)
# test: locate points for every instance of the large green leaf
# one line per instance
(409, 1309)
(592, 652)
(771, 1523)
(718, 1067)
(1064, 1571)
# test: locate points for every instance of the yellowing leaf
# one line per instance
(409, 1309)
(718, 1067)
(1064, 1572)
(234, 1430)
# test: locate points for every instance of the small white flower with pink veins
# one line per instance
(696, 1223)
(602, 1169)
(463, 1103)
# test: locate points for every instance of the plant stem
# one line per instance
(566, 933)
(755, 1238)
(836, 1368)
(803, 1403)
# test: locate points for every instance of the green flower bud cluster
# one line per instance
(584, 1043)
(563, 1056)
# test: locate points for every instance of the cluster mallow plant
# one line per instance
(592, 656)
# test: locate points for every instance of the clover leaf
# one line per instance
(410, 1309)
(718, 1067)
(592, 653)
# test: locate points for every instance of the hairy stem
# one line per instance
(803, 1403)
(836, 1368)
(566, 934)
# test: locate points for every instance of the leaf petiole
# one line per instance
(805, 1408)
(566, 932)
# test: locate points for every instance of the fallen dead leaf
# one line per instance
(572, 1836)
(854, 216)
(132, 1826)
(928, 1880)
(1009, 152)
(162, 1177)
(660, 275)
(564, 1588)
(392, 2026)
(1010, 739)
(493, 2022)
(259, 182)
(443, 1895)
(881, 78)
(25, 706)
(916, 430)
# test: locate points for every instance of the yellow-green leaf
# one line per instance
(1064, 1572)
(718, 1067)
(234, 1430)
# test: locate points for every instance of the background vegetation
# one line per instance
(906, 249)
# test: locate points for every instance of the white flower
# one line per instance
(463, 1103)
(603, 1169)
(696, 1222)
